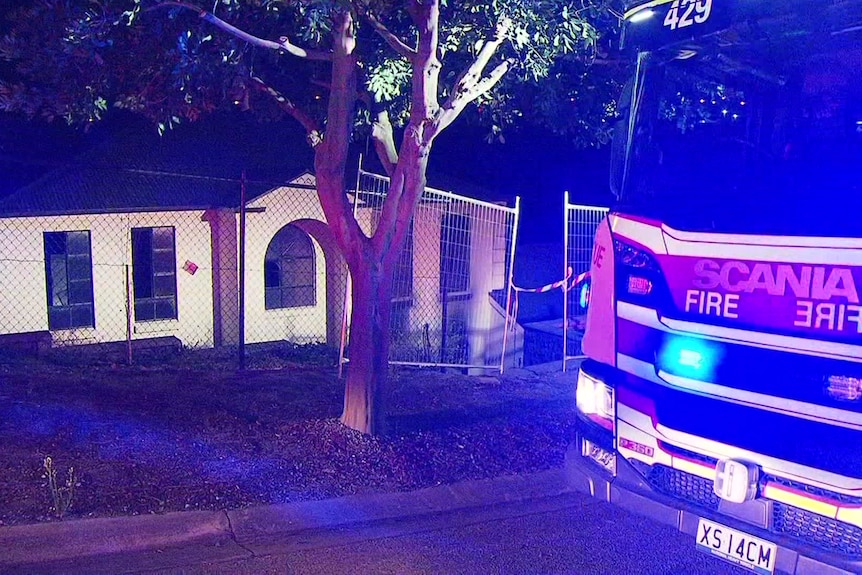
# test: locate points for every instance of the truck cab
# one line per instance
(722, 390)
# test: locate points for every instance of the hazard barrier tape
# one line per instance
(566, 284)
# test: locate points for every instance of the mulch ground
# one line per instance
(189, 433)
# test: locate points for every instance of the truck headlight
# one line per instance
(595, 400)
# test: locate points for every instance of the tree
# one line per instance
(376, 65)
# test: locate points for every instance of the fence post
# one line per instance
(128, 318)
(565, 272)
(242, 273)
(509, 283)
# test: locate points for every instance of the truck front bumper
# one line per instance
(594, 466)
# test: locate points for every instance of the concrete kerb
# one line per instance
(45, 542)
(257, 529)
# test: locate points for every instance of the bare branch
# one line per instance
(312, 130)
(454, 106)
(283, 44)
(394, 41)
(470, 84)
(473, 73)
(384, 141)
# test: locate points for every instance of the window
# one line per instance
(402, 283)
(154, 273)
(454, 254)
(69, 280)
(289, 270)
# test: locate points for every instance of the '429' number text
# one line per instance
(684, 13)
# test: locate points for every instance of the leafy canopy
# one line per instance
(75, 59)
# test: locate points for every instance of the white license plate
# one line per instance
(737, 547)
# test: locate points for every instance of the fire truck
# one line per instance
(722, 390)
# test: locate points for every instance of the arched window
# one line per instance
(289, 270)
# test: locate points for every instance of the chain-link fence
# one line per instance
(249, 262)
(580, 224)
(113, 281)
(452, 282)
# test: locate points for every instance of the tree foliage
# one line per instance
(74, 59)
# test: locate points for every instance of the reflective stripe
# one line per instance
(817, 348)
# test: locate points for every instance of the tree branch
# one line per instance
(394, 41)
(384, 141)
(470, 85)
(330, 159)
(283, 44)
(454, 106)
(312, 130)
(426, 66)
(474, 71)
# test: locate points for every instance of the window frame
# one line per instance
(278, 264)
(50, 281)
(154, 299)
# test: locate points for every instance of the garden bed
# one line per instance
(188, 432)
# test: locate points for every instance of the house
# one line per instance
(118, 251)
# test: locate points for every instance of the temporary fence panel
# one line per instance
(452, 281)
(580, 225)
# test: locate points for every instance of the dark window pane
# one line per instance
(164, 285)
(164, 262)
(273, 298)
(80, 292)
(142, 282)
(55, 243)
(163, 239)
(59, 318)
(58, 289)
(78, 243)
(165, 309)
(271, 274)
(82, 316)
(142, 263)
(144, 311)
(79, 268)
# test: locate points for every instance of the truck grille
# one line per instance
(683, 485)
(811, 528)
(816, 491)
(823, 532)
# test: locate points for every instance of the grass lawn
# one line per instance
(187, 431)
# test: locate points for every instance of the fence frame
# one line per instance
(571, 220)
(514, 212)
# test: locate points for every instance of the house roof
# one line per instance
(130, 168)
(195, 167)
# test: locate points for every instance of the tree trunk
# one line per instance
(367, 373)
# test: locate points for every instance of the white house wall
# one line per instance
(282, 206)
(23, 298)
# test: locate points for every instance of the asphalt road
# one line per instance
(571, 534)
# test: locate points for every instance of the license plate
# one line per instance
(736, 547)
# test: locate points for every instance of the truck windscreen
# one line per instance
(767, 144)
